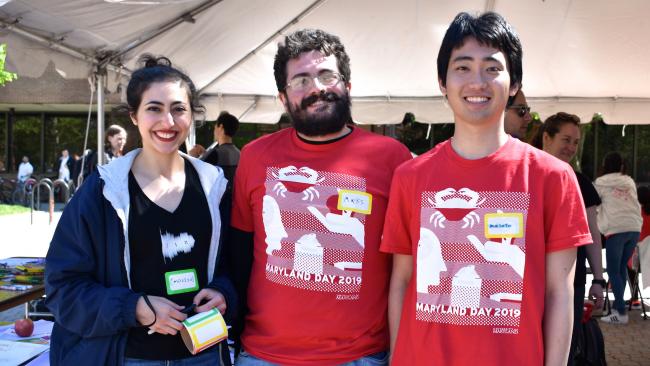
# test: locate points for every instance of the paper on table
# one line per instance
(42, 360)
(14, 353)
(42, 328)
(19, 261)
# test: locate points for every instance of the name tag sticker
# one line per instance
(182, 281)
(504, 225)
(355, 201)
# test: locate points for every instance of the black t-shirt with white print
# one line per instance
(162, 242)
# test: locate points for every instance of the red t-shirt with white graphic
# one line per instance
(478, 232)
(319, 285)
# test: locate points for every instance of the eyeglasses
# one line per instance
(521, 109)
(304, 82)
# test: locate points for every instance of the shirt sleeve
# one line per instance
(396, 237)
(565, 218)
(242, 213)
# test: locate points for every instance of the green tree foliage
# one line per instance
(5, 76)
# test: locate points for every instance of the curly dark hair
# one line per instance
(306, 40)
(154, 70)
(489, 29)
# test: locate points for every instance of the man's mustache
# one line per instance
(326, 97)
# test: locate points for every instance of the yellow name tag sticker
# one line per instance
(355, 201)
(504, 225)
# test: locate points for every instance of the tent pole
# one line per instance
(41, 156)
(250, 108)
(295, 20)
(100, 118)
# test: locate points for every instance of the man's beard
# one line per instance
(324, 122)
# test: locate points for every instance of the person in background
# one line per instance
(517, 116)
(114, 141)
(223, 152)
(619, 219)
(25, 170)
(559, 136)
(76, 168)
(635, 261)
(139, 242)
(644, 238)
(66, 166)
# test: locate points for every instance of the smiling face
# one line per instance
(318, 109)
(478, 84)
(117, 142)
(564, 144)
(163, 117)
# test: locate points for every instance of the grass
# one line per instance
(12, 209)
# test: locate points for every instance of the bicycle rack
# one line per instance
(28, 188)
(72, 188)
(47, 183)
(64, 185)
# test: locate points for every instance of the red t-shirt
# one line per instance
(479, 231)
(319, 285)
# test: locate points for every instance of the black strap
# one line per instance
(146, 300)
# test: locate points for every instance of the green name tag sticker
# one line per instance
(182, 281)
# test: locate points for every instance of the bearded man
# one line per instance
(308, 212)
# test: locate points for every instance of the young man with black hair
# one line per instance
(483, 227)
(223, 152)
(311, 199)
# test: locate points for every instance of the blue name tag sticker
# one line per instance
(504, 225)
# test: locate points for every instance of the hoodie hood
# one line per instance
(614, 180)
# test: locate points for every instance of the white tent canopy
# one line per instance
(580, 56)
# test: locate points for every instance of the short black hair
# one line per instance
(489, 29)
(229, 122)
(306, 40)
